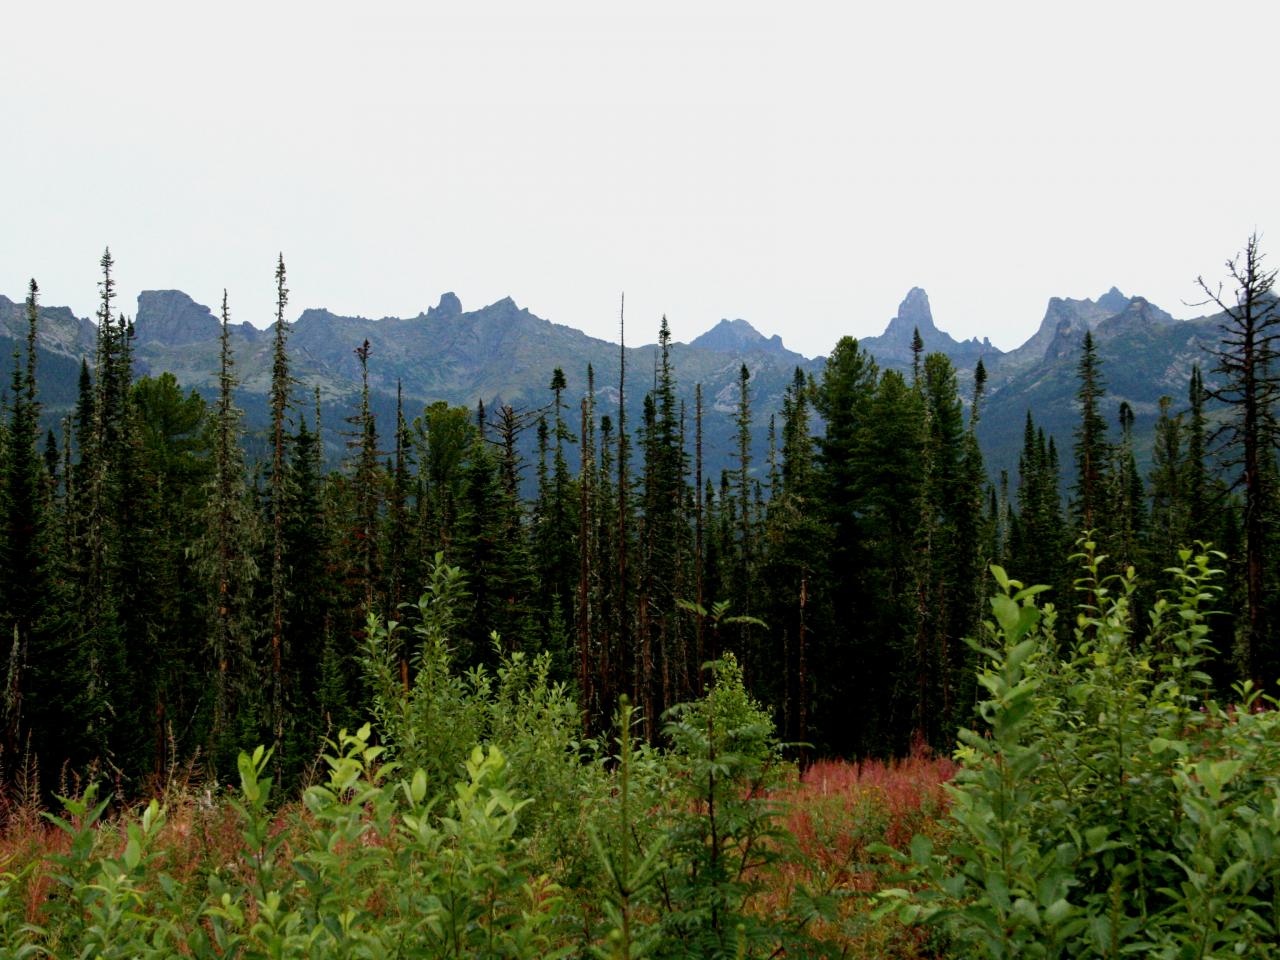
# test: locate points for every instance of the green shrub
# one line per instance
(1111, 807)
(436, 721)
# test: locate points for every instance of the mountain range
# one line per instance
(502, 353)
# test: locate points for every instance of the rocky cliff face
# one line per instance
(1066, 320)
(738, 336)
(893, 347)
(170, 318)
(60, 330)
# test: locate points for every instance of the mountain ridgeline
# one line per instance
(503, 354)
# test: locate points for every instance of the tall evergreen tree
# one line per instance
(278, 479)
(1246, 361)
(41, 681)
(1092, 452)
(1126, 495)
(174, 467)
(1039, 542)
(228, 548)
(1170, 521)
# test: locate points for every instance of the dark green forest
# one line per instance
(167, 597)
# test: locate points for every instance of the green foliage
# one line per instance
(375, 868)
(434, 721)
(1111, 807)
(723, 841)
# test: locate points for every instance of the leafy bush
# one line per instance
(1112, 806)
(434, 720)
(373, 868)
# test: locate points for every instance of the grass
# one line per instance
(836, 811)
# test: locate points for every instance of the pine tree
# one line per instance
(1038, 544)
(623, 636)
(174, 465)
(1246, 361)
(1198, 496)
(41, 681)
(798, 545)
(281, 382)
(1170, 521)
(844, 399)
(587, 593)
(479, 542)
(308, 615)
(512, 575)
(401, 564)
(227, 552)
(664, 570)
(1092, 452)
(99, 602)
(366, 488)
(1126, 496)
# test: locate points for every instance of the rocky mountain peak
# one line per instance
(913, 314)
(448, 307)
(737, 336)
(1113, 301)
(172, 318)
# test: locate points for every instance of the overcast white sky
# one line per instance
(798, 165)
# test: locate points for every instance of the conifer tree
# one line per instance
(1246, 361)
(844, 399)
(99, 601)
(1126, 495)
(513, 574)
(1092, 452)
(41, 682)
(587, 594)
(443, 437)
(699, 551)
(401, 565)
(798, 545)
(666, 537)
(1169, 518)
(227, 553)
(1039, 542)
(309, 611)
(174, 468)
(1197, 484)
(366, 487)
(480, 531)
(623, 636)
(281, 382)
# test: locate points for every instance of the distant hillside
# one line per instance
(1145, 354)
(502, 353)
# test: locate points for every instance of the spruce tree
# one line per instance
(798, 546)
(1246, 361)
(278, 479)
(367, 494)
(227, 552)
(1126, 495)
(308, 615)
(1092, 452)
(174, 468)
(1170, 522)
(41, 682)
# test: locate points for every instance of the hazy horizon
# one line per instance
(798, 168)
